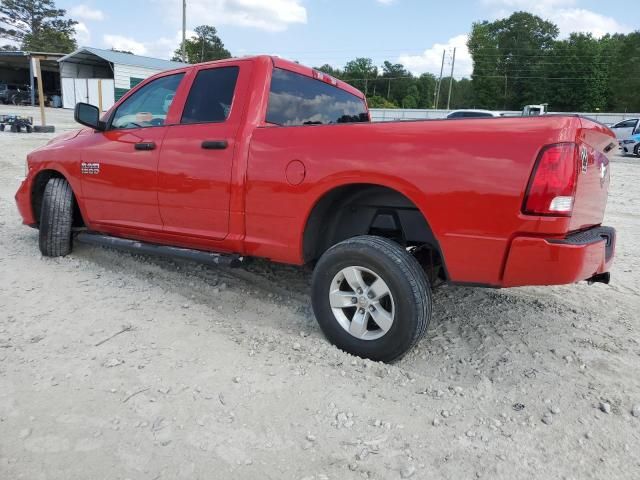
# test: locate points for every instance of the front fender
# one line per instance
(42, 167)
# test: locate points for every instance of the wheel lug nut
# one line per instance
(371, 308)
(362, 310)
(359, 291)
(370, 294)
(354, 300)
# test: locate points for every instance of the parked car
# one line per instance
(263, 157)
(631, 145)
(7, 91)
(626, 128)
(473, 113)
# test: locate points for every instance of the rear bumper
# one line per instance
(23, 201)
(579, 256)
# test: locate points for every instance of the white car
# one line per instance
(473, 113)
(631, 145)
(626, 128)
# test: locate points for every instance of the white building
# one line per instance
(101, 77)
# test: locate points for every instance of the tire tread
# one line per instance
(56, 219)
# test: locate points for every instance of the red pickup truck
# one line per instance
(261, 157)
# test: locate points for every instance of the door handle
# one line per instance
(215, 144)
(145, 146)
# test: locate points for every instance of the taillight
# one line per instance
(552, 186)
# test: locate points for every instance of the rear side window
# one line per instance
(211, 95)
(300, 100)
(626, 124)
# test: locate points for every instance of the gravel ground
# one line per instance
(120, 366)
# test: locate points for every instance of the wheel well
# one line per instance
(37, 192)
(365, 209)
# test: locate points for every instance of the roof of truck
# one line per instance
(288, 65)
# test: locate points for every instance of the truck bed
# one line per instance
(467, 177)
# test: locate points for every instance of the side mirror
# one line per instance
(88, 115)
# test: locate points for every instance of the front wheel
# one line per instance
(371, 298)
(636, 150)
(56, 218)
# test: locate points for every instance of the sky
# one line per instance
(315, 32)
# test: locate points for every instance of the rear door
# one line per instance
(194, 171)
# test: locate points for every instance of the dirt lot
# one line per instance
(223, 373)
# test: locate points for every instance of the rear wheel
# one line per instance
(56, 218)
(371, 297)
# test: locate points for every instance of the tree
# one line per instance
(329, 70)
(399, 81)
(37, 25)
(462, 94)
(576, 74)
(359, 72)
(377, 101)
(410, 100)
(426, 84)
(508, 59)
(205, 46)
(623, 86)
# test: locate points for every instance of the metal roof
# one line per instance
(87, 55)
(24, 53)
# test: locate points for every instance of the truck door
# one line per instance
(119, 165)
(196, 159)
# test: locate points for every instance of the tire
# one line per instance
(408, 302)
(636, 150)
(56, 218)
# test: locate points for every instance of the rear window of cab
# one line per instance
(296, 99)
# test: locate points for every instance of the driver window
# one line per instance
(148, 106)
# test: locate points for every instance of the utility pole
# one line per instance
(453, 62)
(43, 120)
(437, 92)
(184, 30)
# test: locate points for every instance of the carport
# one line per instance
(16, 68)
(101, 77)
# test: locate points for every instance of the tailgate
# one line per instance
(596, 146)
